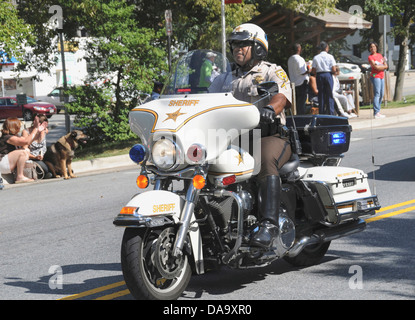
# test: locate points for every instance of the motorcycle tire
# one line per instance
(310, 255)
(140, 267)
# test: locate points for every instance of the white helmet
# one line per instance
(251, 32)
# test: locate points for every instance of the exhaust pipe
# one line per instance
(328, 234)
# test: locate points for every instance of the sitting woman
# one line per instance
(38, 146)
(12, 158)
(344, 100)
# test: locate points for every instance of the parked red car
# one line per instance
(10, 108)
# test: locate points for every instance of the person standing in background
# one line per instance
(323, 66)
(206, 70)
(298, 73)
(377, 75)
(156, 90)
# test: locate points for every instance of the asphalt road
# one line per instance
(57, 240)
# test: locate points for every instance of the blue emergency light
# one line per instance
(138, 153)
(337, 138)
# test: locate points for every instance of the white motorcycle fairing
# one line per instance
(189, 119)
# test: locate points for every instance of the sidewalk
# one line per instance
(364, 121)
(393, 115)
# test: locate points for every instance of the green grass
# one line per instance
(105, 149)
(410, 100)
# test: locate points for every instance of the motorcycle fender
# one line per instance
(150, 209)
(157, 203)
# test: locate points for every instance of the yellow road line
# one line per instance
(114, 295)
(126, 292)
(391, 214)
(396, 206)
(93, 291)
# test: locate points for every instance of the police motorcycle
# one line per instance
(201, 212)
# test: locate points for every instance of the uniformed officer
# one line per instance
(249, 46)
(324, 66)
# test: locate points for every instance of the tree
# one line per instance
(402, 13)
(15, 35)
(197, 23)
(129, 59)
(128, 42)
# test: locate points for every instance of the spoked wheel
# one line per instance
(150, 271)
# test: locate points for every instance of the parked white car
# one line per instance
(349, 71)
(55, 97)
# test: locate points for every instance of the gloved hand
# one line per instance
(267, 114)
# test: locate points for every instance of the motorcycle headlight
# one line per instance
(164, 154)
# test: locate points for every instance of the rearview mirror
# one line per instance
(268, 87)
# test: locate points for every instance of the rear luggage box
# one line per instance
(322, 135)
(344, 192)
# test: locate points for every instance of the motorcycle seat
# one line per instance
(289, 172)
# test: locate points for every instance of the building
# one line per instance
(36, 84)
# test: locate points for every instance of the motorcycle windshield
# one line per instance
(200, 71)
(196, 106)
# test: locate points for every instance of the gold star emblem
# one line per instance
(240, 159)
(173, 115)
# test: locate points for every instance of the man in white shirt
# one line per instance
(324, 66)
(298, 73)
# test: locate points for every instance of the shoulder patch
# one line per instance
(282, 75)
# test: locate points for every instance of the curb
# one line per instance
(373, 123)
(102, 163)
(95, 165)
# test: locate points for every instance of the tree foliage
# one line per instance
(127, 41)
(15, 35)
(129, 57)
(402, 15)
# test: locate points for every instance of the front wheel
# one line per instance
(149, 269)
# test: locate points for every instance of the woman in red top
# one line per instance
(377, 74)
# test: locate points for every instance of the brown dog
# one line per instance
(59, 155)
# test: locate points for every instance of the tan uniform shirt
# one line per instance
(244, 87)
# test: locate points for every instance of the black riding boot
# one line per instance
(269, 194)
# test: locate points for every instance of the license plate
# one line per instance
(349, 182)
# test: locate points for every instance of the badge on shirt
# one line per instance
(258, 79)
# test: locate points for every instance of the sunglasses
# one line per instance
(241, 44)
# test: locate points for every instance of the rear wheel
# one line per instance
(310, 255)
(149, 269)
